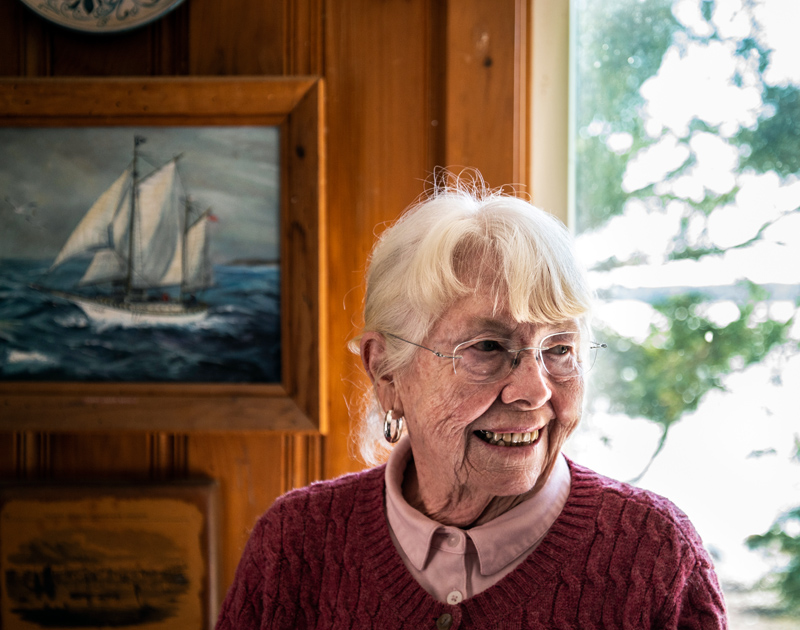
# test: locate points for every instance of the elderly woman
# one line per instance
(476, 339)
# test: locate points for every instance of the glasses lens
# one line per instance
(561, 355)
(483, 360)
(488, 360)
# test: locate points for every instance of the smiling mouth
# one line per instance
(508, 439)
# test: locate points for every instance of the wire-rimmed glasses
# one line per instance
(488, 359)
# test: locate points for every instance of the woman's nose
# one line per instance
(527, 382)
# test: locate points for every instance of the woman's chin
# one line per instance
(508, 470)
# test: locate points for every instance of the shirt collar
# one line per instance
(498, 542)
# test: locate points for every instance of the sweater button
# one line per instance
(444, 622)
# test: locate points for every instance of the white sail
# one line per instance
(93, 230)
(198, 273)
(158, 249)
(106, 266)
(111, 263)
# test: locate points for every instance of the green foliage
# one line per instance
(621, 50)
(685, 355)
(667, 375)
(773, 145)
(783, 539)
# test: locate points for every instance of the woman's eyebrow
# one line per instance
(491, 325)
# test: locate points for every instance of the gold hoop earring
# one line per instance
(392, 428)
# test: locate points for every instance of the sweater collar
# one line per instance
(572, 531)
(498, 542)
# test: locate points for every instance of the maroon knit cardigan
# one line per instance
(616, 557)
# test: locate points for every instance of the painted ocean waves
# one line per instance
(47, 338)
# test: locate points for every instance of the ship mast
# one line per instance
(184, 261)
(137, 140)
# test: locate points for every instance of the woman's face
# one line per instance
(448, 418)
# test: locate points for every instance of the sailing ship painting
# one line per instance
(163, 270)
(142, 237)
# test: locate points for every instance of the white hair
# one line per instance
(460, 237)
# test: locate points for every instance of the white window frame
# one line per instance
(550, 172)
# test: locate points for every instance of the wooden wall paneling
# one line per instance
(31, 455)
(105, 455)
(8, 455)
(236, 38)
(378, 74)
(75, 53)
(250, 468)
(303, 37)
(169, 455)
(35, 46)
(170, 42)
(485, 70)
(11, 38)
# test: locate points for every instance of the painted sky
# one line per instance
(49, 178)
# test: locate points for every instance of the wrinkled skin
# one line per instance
(455, 477)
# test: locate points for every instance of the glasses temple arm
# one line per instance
(438, 354)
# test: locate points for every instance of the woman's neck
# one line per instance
(457, 506)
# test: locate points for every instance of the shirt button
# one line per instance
(444, 622)
(454, 597)
(452, 540)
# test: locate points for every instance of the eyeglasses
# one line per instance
(488, 360)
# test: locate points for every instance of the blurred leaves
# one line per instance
(685, 355)
(773, 144)
(783, 540)
(621, 50)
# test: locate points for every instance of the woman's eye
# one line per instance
(559, 350)
(487, 345)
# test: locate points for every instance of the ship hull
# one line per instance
(131, 313)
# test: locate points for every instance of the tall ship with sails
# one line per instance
(148, 248)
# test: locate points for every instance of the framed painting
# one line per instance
(162, 253)
(108, 556)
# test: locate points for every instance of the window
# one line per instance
(684, 138)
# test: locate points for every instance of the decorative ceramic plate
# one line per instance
(101, 16)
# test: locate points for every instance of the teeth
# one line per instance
(509, 439)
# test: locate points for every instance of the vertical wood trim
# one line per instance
(168, 456)
(522, 80)
(303, 37)
(33, 452)
(302, 460)
(35, 47)
(287, 463)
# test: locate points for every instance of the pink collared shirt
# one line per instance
(453, 564)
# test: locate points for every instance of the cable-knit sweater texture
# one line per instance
(616, 557)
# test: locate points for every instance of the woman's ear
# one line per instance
(373, 356)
